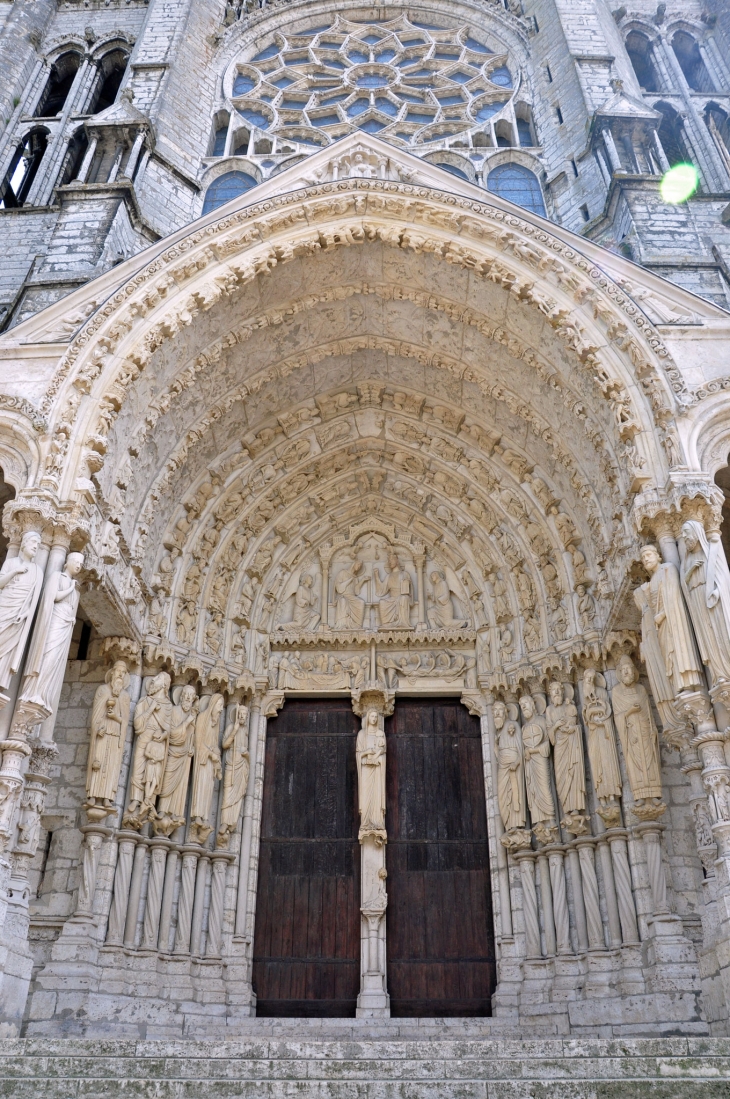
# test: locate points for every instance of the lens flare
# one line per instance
(679, 183)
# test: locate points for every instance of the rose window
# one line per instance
(412, 83)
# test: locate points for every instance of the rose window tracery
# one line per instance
(413, 83)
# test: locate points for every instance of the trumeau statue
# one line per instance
(370, 750)
(664, 622)
(441, 607)
(602, 746)
(180, 748)
(46, 663)
(20, 585)
(565, 735)
(395, 594)
(109, 721)
(152, 721)
(706, 585)
(639, 740)
(536, 747)
(235, 775)
(206, 767)
(349, 607)
(510, 774)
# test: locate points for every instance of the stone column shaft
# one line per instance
(526, 862)
(560, 902)
(135, 892)
(546, 897)
(185, 903)
(594, 923)
(609, 888)
(151, 925)
(215, 913)
(201, 881)
(168, 890)
(579, 908)
(122, 877)
(624, 892)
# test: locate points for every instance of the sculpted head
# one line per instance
(160, 684)
(187, 698)
(691, 534)
(373, 718)
(556, 693)
(307, 581)
(29, 544)
(393, 562)
(241, 713)
(500, 714)
(626, 671)
(216, 706)
(651, 559)
(527, 705)
(118, 676)
(356, 567)
(435, 576)
(589, 680)
(74, 564)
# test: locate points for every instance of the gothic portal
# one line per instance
(364, 606)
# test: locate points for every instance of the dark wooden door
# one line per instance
(439, 921)
(307, 941)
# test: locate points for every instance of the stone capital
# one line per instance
(686, 495)
(63, 524)
(373, 697)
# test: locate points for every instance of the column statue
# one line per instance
(235, 775)
(395, 594)
(370, 750)
(109, 721)
(206, 766)
(349, 607)
(46, 663)
(664, 622)
(706, 586)
(20, 585)
(510, 770)
(536, 747)
(639, 740)
(565, 735)
(152, 721)
(180, 748)
(602, 747)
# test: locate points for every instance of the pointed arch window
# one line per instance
(671, 135)
(691, 62)
(519, 185)
(62, 75)
(225, 188)
(23, 169)
(638, 48)
(112, 69)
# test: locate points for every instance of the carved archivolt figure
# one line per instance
(152, 721)
(395, 592)
(20, 586)
(349, 607)
(171, 804)
(109, 721)
(441, 608)
(235, 775)
(706, 585)
(510, 774)
(565, 734)
(370, 750)
(663, 612)
(602, 745)
(46, 663)
(536, 747)
(639, 740)
(207, 766)
(305, 616)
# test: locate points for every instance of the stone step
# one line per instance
(265, 1066)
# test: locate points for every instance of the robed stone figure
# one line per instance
(565, 736)
(45, 667)
(510, 769)
(109, 721)
(639, 739)
(370, 751)
(349, 607)
(235, 774)
(665, 623)
(152, 721)
(395, 594)
(602, 745)
(706, 585)
(536, 747)
(20, 585)
(206, 766)
(180, 748)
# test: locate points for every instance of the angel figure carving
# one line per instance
(565, 735)
(349, 607)
(602, 746)
(441, 607)
(109, 721)
(305, 614)
(235, 775)
(395, 594)
(174, 791)
(206, 766)
(510, 774)
(370, 750)
(536, 748)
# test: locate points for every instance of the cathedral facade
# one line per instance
(365, 606)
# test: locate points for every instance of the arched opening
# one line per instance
(58, 85)
(240, 142)
(718, 123)
(23, 169)
(111, 72)
(525, 127)
(519, 185)
(691, 62)
(671, 135)
(503, 134)
(75, 154)
(638, 48)
(220, 134)
(225, 188)
(7, 492)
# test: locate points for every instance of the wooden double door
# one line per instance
(440, 944)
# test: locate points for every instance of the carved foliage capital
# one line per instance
(373, 697)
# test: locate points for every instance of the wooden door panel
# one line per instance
(440, 936)
(307, 938)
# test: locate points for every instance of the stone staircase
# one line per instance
(400, 1059)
